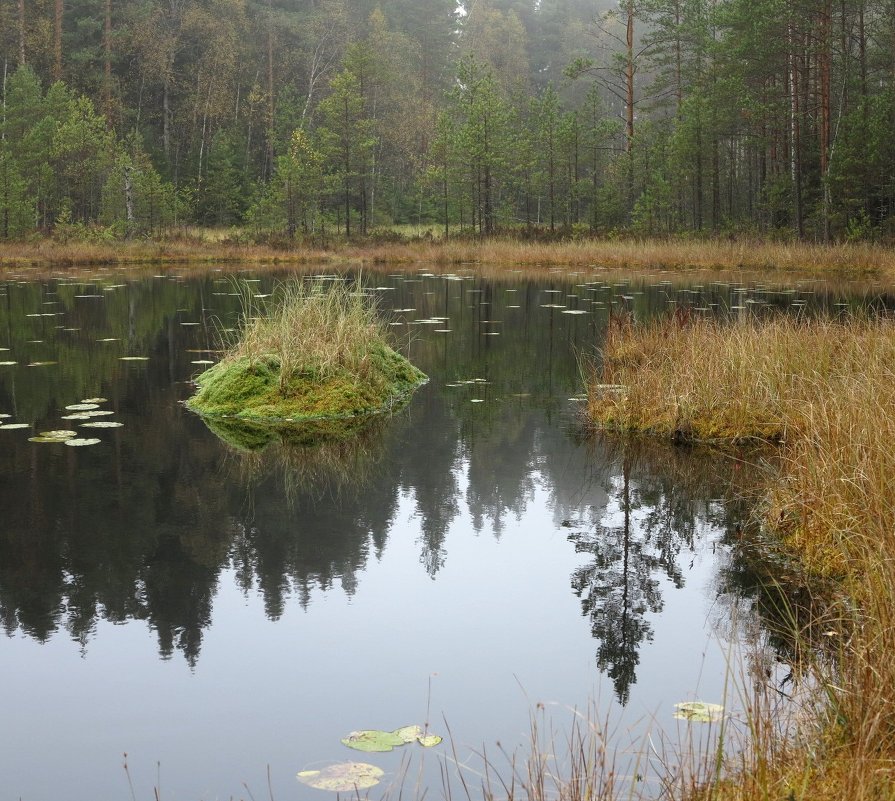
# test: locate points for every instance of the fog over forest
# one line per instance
(321, 118)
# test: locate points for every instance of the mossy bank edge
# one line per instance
(247, 399)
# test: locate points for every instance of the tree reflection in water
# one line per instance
(664, 502)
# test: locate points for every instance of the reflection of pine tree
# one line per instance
(617, 590)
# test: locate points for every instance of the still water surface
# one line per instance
(212, 614)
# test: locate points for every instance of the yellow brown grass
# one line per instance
(309, 326)
(207, 246)
(826, 392)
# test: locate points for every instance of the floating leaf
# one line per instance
(342, 778)
(102, 424)
(699, 712)
(95, 400)
(373, 740)
(40, 364)
(11, 426)
(202, 361)
(76, 416)
(415, 734)
(5, 416)
(133, 359)
(59, 434)
(98, 413)
(80, 443)
(408, 734)
(81, 407)
(7, 364)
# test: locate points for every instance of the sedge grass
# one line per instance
(825, 391)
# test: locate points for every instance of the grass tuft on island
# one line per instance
(313, 359)
(824, 392)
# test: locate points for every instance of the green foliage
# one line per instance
(16, 208)
(347, 141)
(135, 199)
(220, 193)
(292, 198)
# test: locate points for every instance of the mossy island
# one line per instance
(314, 362)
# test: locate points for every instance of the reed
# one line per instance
(825, 393)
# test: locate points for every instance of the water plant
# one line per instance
(314, 351)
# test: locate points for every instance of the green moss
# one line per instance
(251, 391)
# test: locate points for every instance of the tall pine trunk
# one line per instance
(58, 10)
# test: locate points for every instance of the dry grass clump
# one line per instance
(826, 392)
(309, 326)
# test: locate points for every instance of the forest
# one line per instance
(285, 122)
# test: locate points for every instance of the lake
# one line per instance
(225, 618)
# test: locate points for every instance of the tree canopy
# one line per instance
(564, 116)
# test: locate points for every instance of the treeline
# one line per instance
(326, 117)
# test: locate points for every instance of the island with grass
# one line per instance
(314, 363)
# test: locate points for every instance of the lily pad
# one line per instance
(134, 359)
(5, 416)
(415, 734)
(80, 443)
(82, 407)
(699, 712)
(7, 364)
(373, 740)
(76, 416)
(408, 734)
(344, 777)
(102, 424)
(59, 434)
(41, 364)
(11, 426)
(95, 400)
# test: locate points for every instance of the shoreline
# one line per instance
(711, 255)
(820, 394)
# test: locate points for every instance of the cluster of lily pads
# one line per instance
(85, 412)
(345, 777)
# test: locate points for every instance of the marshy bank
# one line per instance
(212, 246)
(822, 393)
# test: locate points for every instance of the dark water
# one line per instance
(212, 614)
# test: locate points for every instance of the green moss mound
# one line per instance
(252, 391)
